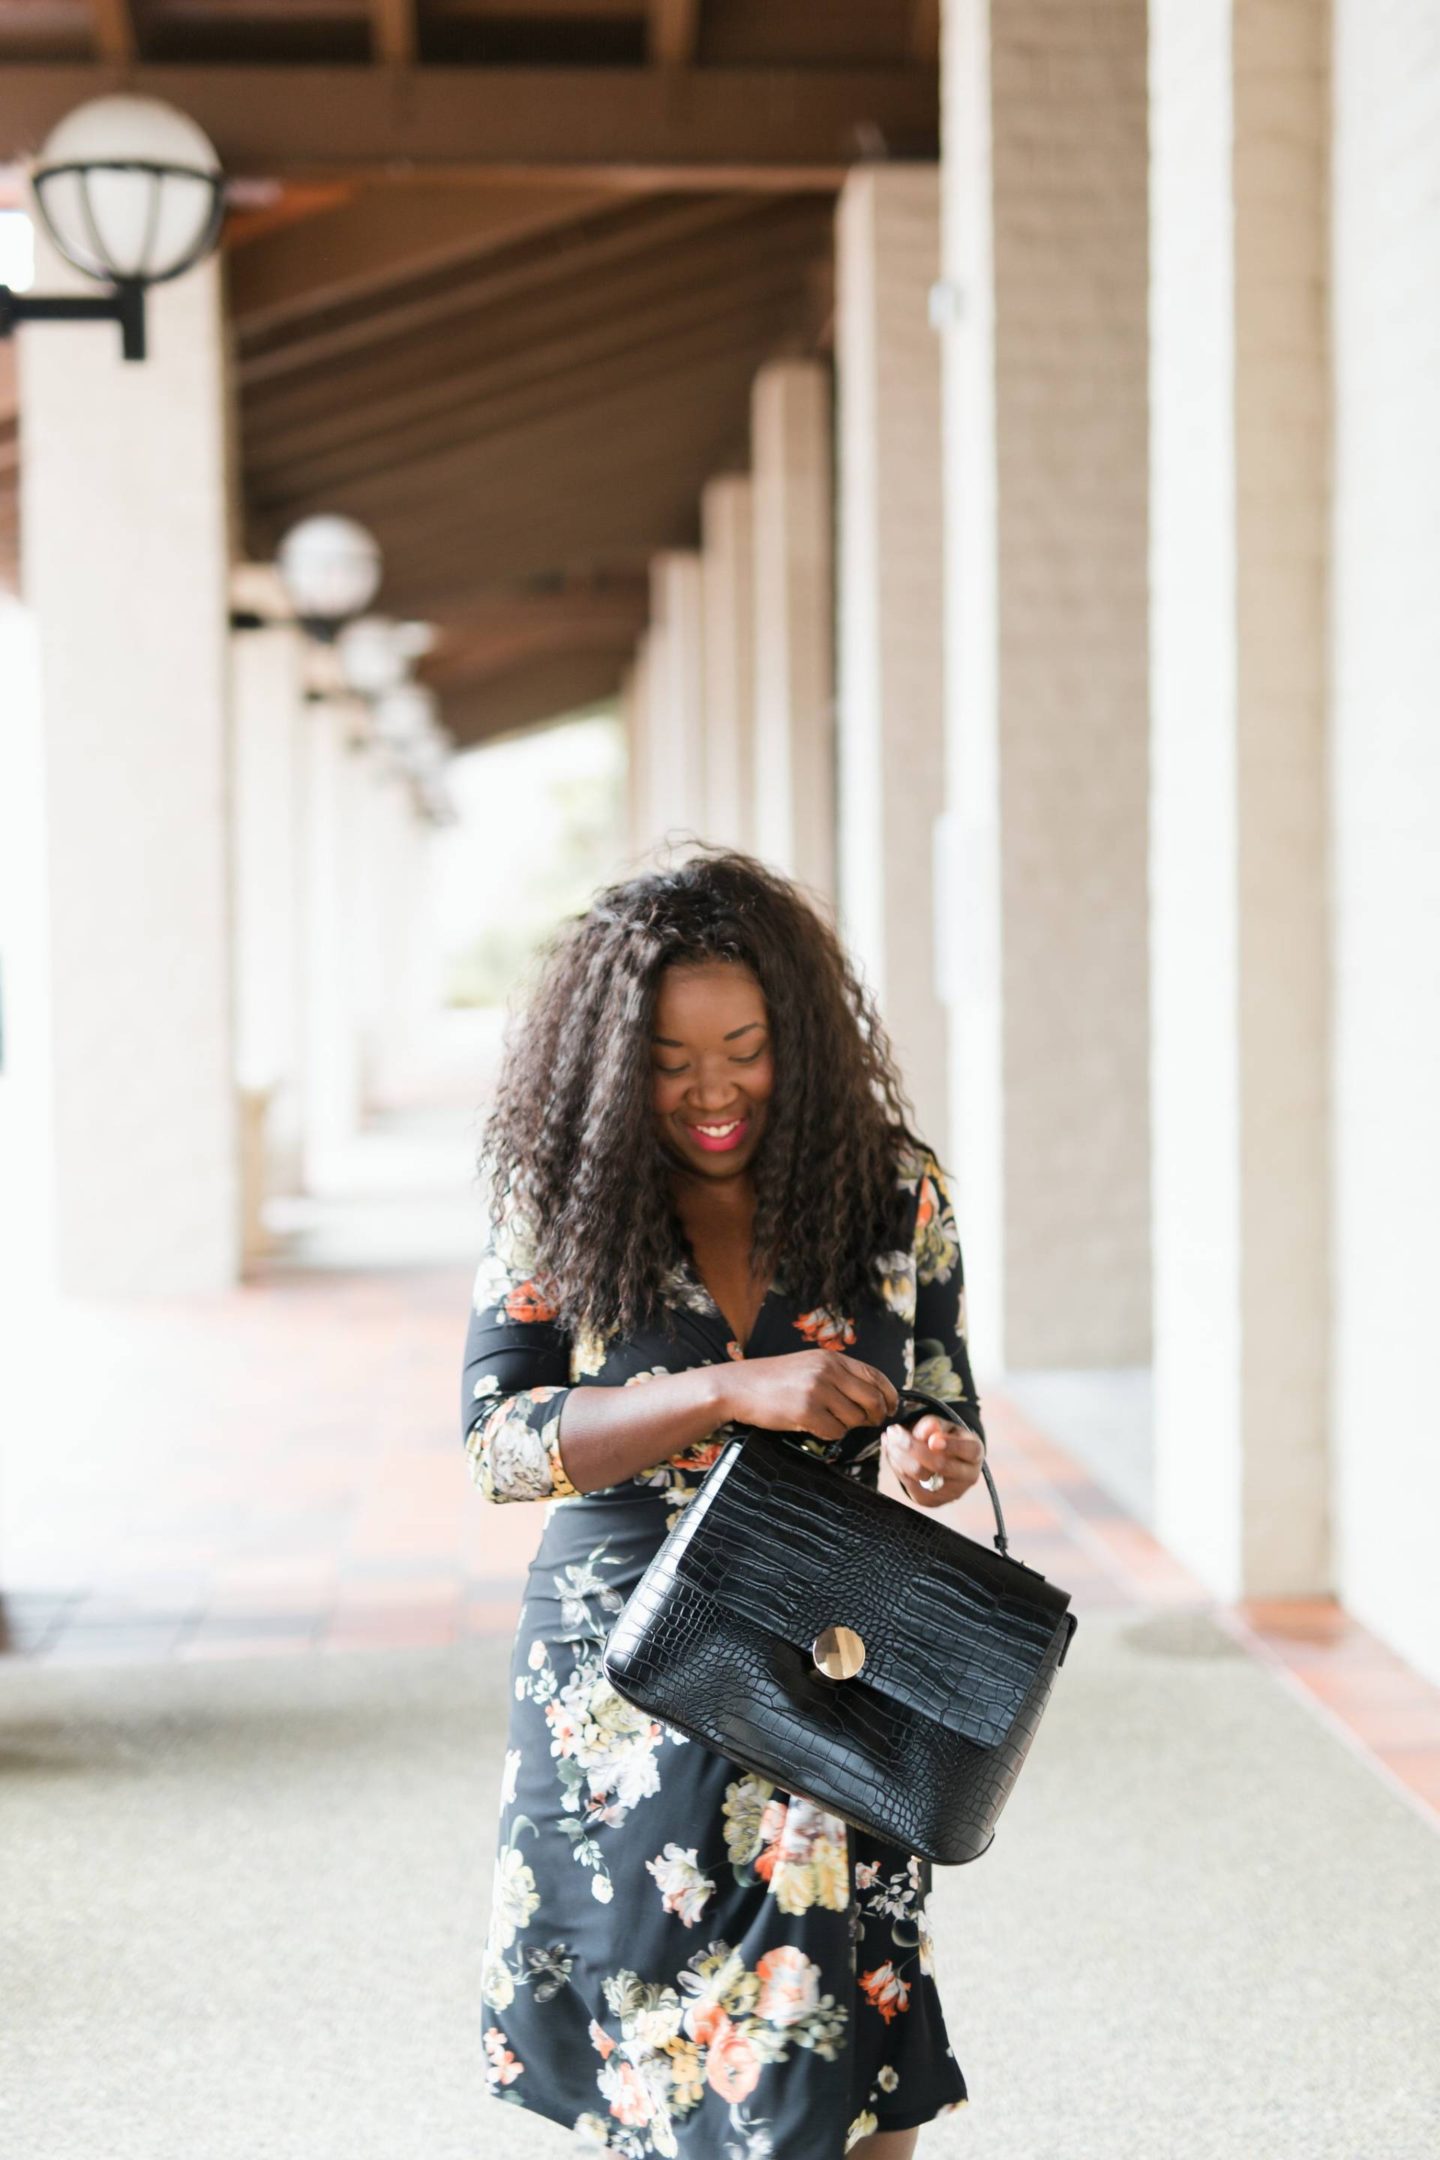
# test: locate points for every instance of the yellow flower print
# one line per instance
(862, 2126)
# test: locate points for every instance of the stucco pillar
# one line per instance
(124, 525)
(727, 515)
(268, 693)
(330, 1061)
(675, 691)
(1043, 903)
(1238, 855)
(1385, 814)
(891, 748)
(791, 455)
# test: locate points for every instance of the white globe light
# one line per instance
(406, 715)
(331, 568)
(130, 189)
(373, 655)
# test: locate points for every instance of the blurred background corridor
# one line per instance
(980, 456)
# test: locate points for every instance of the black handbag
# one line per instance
(847, 1647)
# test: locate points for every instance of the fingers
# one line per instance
(940, 1434)
(867, 1386)
(935, 1449)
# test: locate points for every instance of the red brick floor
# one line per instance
(280, 1470)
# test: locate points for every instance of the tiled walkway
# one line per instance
(279, 1471)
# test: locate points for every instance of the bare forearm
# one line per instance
(608, 1434)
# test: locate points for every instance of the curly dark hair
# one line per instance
(570, 1140)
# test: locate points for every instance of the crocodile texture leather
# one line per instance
(923, 1745)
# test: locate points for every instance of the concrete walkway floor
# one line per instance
(251, 1724)
(244, 1902)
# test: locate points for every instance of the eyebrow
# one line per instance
(668, 1042)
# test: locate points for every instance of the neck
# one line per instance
(710, 1200)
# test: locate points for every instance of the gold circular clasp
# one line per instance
(838, 1652)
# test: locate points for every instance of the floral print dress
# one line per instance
(681, 1958)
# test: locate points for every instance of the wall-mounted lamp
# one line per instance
(376, 654)
(132, 194)
(330, 567)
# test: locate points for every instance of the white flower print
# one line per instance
(685, 1887)
(511, 1775)
(516, 1897)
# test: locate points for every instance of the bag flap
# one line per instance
(954, 1631)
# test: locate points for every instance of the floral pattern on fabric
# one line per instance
(682, 1959)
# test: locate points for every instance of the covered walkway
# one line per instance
(251, 1755)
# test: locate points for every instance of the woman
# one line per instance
(710, 1210)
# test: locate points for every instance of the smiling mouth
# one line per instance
(723, 1134)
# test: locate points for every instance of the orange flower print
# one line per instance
(732, 2068)
(827, 1330)
(600, 2039)
(926, 1207)
(789, 1985)
(624, 2088)
(885, 1990)
(526, 1302)
(504, 2067)
(772, 1836)
(703, 2021)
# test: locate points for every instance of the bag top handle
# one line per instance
(937, 1406)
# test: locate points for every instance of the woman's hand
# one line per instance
(814, 1391)
(934, 1447)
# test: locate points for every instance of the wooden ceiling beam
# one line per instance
(924, 36)
(672, 31)
(547, 688)
(426, 473)
(588, 491)
(498, 625)
(521, 343)
(112, 30)
(382, 237)
(669, 338)
(417, 312)
(395, 32)
(578, 494)
(356, 121)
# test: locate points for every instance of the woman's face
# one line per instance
(712, 1067)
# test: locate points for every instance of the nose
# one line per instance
(712, 1091)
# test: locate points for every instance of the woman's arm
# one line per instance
(518, 1400)
(612, 1433)
(933, 1446)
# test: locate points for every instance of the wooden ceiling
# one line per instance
(501, 273)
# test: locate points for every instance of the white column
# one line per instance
(791, 456)
(1238, 871)
(675, 690)
(27, 1091)
(1385, 815)
(727, 515)
(330, 1059)
(268, 695)
(1044, 852)
(124, 527)
(890, 601)
(639, 718)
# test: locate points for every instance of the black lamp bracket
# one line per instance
(123, 304)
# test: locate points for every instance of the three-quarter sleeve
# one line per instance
(516, 1380)
(942, 1355)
